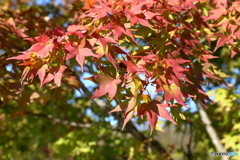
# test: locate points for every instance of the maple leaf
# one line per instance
(235, 50)
(107, 85)
(173, 91)
(55, 73)
(48, 78)
(32, 73)
(89, 4)
(104, 39)
(206, 57)
(78, 52)
(143, 22)
(106, 50)
(176, 75)
(118, 30)
(221, 41)
(131, 67)
(129, 111)
(73, 81)
(201, 95)
(150, 15)
(74, 28)
(43, 47)
(217, 13)
(154, 109)
(42, 72)
(25, 73)
(59, 74)
(175, 70)
(128, 106)
(120, 107)
(11, 24)
(101, 10)
(221, 3)
(176, 63)
(24, 56)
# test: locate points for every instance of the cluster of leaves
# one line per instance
(57, 123)
(26, 132)
(167, 51)
(19, 20)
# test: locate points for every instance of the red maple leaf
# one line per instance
(59, 74)
(142, 21)
(118, 30)
(76, 28)
(78, 52)
(104, 40)
(101, 10)
(154, 109)
(131, 67)
(43, 47)
(55, 73)
(173, 91)
(42, 72)
(107, 85)
(217, 13)
(24, 56)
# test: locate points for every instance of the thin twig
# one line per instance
(57, 120)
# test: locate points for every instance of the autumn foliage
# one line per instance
(135, 44)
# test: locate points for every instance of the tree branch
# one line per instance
(57, 120)
(210, 130)
(189, 151)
